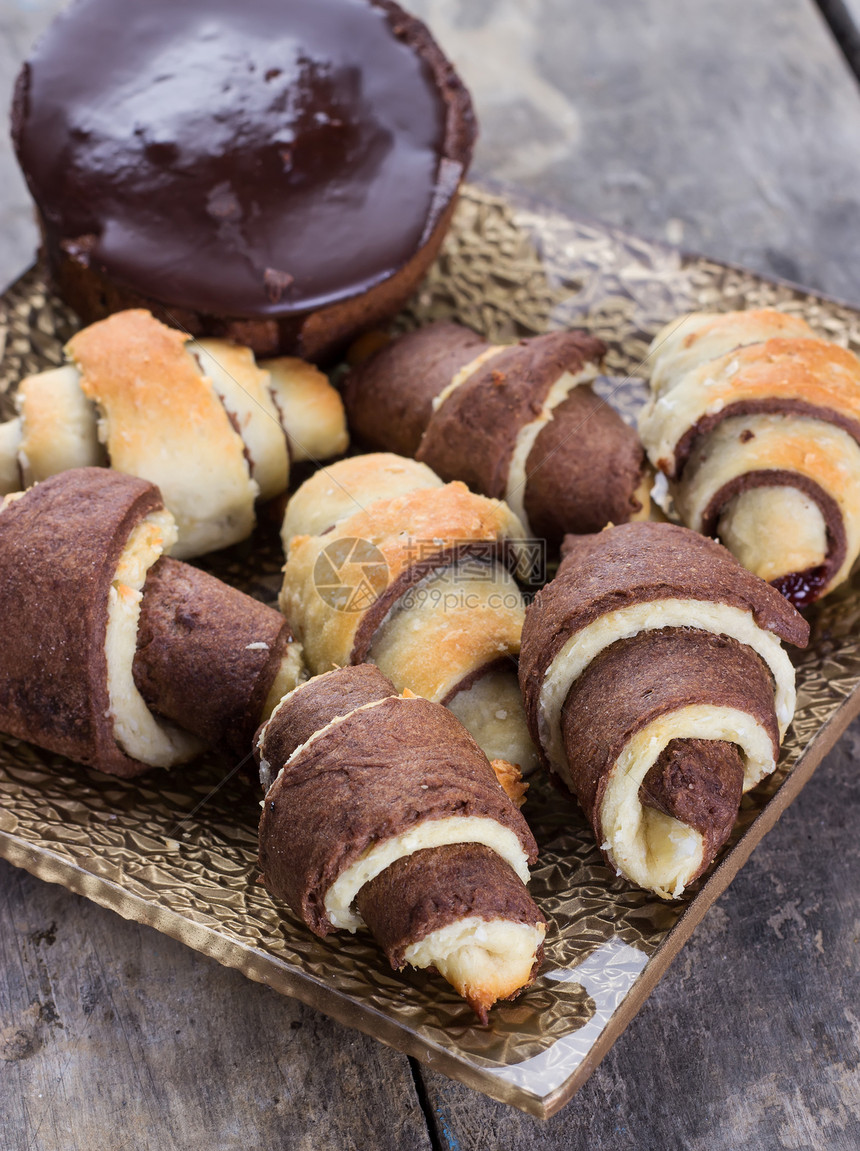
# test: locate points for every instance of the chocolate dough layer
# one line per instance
(434, 888)
(583, 470)
(772, 405)
(371, 777)
(389, 397)
(640, 563)
(59, 548)
(314, 704)
(197, 662)
(473, 434)
(700, 783)
(635, 681)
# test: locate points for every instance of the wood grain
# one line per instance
(731, 128)
(114, 1036)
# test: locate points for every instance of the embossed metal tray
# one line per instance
(178, 850)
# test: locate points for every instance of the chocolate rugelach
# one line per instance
(409, 557)
(756, 424)
(60, 545)
(207, 654)
(637, 680)
(200, 653)
(653, 682)
(214, 429)
(303, 206)
(384, 798)
(488, 415)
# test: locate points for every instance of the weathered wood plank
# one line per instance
(729, 128)
(113, 1036)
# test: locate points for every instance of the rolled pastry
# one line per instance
(201, 419)
(756, 425)
(417, 583)
(114, 656)
(381, 810)
(518, 423)
(656, 687)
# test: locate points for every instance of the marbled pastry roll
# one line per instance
(201, 419)
(380, 809)
(114, 656)
(756, 425)
(517, 422)
(388, 565)
(656, 688)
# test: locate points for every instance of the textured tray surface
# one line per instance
(178, 851)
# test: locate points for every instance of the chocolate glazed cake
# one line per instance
(276, 172)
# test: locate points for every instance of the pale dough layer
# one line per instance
(137, 731)
(455, 622)
(775, 530)
(515, 493)
(243, 389)
(59, 425)
(336, 492)
(692, 340)
(311, 410)
(653, 849)
(812, 372)
(162, 420)
(431, 833)
(484, 960)
(492, 712)
(586, 644)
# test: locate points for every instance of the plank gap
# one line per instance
(845, 31)
(427, 1107)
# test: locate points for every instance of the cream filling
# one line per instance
(642, 495)
(483, 960)
(243, 389)
(291, 672)
(774, 531)
(59, 426)
(10, 440)
(647, 846)
(341, 490)
(492, 712)
(136, 730)
(515, 492)
(586, 644)
(467, 370)
(311, 410)
(431, 833)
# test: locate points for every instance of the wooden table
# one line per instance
(732, 128)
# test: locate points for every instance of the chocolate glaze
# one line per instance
(256, 159)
